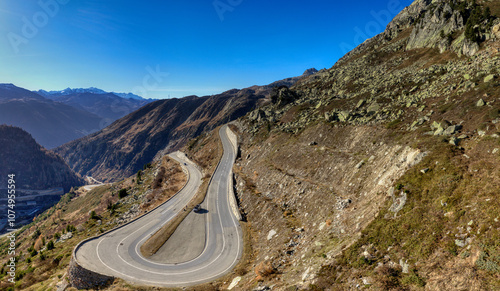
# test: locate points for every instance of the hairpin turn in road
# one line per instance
(117, 253)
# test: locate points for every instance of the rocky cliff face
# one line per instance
(454, 25)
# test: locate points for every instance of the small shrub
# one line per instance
(489, 259)
(50, 245)
(388, 277)
(123, 193)
(139, 177)
(112, 207)
(57, 260)
(36, 234)
(452, 248)
(70, 228)
(413, 279)
(94, 215)
(33, 252)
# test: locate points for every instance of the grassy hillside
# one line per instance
(43, 248)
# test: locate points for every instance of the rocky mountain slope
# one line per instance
(35, 167)
(165, 125)
(50, 123)
(382, 172)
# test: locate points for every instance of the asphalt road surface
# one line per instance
(118, 253)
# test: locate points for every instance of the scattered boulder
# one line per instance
(271, 234)
(480, 103)
(444, 128)
(282, 96)
(496, 31)
(469, 48)
(439, 127)
(307, 274)
(398, 203)
(234, 283)
(343, 116)
(460, 243)
(66, 236)
(329, 116)
(343, 203)
(257, 115)
(373, 108)
(489, 78)
(367, 255)
(452, 129)
(322, 226)
(367, 281)
(404, 266)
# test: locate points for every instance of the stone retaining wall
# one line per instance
(82, 278)
(232, 198)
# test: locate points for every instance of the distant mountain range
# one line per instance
(108, 106)
(125, 146)
(92, 90)
(50, 123)
(57, 117)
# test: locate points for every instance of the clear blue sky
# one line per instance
(199, 47)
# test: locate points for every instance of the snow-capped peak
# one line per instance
(92, 90)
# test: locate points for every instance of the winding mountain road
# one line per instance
(117, 253)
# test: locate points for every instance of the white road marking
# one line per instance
(214, 184)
